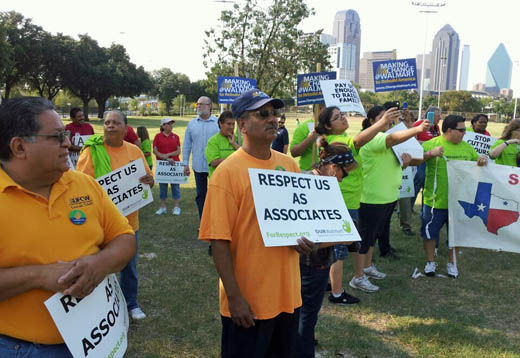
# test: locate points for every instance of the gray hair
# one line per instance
(123, 116)
(19, 117)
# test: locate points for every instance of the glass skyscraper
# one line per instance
(347, 31)
(499, 70)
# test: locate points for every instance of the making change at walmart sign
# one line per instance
(229, 88)
(395, 75)
(93, 326)
(481, 142)
(167, 173)
(124, 188)
(342, 94)
(291, 205)
(484, 204)
(308, 89)
(78, 140)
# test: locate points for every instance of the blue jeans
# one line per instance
(418, 181)
(128, 280)
(163, 191)
(16, 348)
(314, 283)
(201, 181)
(340, 250)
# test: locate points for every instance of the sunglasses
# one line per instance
(460, 129)
(264, 113)
(60, 136)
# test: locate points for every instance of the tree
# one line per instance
(265, 43)
(459, 101)
(168, 85)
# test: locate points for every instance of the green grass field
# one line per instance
(474, 316)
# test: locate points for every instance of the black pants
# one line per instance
(374, 224)
(269, 338)
(201, 182)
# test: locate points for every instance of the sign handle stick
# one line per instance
(316, 112)
(239, 134)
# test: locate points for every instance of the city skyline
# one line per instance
(444, 59)
(498, 70)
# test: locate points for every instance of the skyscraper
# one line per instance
(427, 70)
(366, 68)
(445, 60)
(464, 69)
(499, 69)
(347, 31)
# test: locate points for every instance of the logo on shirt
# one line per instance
(80, 201)
(77, 217)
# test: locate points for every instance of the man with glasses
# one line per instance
(198, 132)
(281, 142)
(259, 286)
(60, 232)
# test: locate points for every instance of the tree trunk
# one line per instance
(7, 92)
(85, 107)
(101, 106)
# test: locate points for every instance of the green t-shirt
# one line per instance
(351, 185)
(508, 155)
(218, 147)
(146, 147)
(437, 172)
(382, 173)
(300, 133)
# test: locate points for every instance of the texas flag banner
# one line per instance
(484, 204)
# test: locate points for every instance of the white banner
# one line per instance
(78, 140)
(484, 205)
(342, 94)
(407, 190)
(170, 173)
(291, 205)
(124, 188)
(411, 146)
(93, 326)
(481, 142)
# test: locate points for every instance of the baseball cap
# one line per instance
(166, 120)
(251, 100)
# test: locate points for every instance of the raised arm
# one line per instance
(366, 136)
(402, 136)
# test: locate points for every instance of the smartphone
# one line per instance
(430, 116)
(396, 104)
(405, 105)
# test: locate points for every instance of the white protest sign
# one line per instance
(481, 142)
(411, 146)
(93, 326)
(291, 205)
(78, 140)
(124, 188)
(342, 94)
(170, 173)
(407, 190)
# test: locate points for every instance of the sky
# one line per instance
(170, 33)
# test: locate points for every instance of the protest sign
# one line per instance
(411, 146)
(78, 140)
(481, 142)
(291, 205)
(407, 190)
(124, 188)
(170, 173)
(395, 75)
(342, 94)
(308, 89)
(484, 205)
(93, 326)
(229, 88)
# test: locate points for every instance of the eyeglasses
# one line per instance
(60, 136)
(264, 113)
(203, 104)
(339, 116)
(460, 129)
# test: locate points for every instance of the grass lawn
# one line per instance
(474, 316)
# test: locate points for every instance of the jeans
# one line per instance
(128, 280)
(163, 191)
(314, 283)
(201, 181)
(418, 181)
(16, 348)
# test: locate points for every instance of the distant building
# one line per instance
(479, 87)
(444, 60)
(427, 69)
(464, 69)
(366, 69)
(347, 32)
(499, 70)
(506, 92)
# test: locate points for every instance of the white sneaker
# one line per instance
(429, 269)
(373, 273)
(453, 272)
(176, 211)
(160, 211)
(137, 313)
(362, 283)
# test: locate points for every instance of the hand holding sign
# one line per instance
(84, 276)
(305, 246)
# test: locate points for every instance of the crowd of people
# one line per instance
(270, 297)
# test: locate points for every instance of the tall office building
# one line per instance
(445, 60)
(427, 70)
(366, 68)
(347, 31)
(464, 69)
(499, 69)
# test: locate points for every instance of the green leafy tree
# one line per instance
(168, 85)
(265, 43)
(460, 101)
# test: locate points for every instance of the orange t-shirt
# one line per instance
(268, 277)
(119, 157)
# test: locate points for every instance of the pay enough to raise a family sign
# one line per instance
(291, 205)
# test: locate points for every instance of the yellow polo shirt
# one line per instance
(78, 219)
